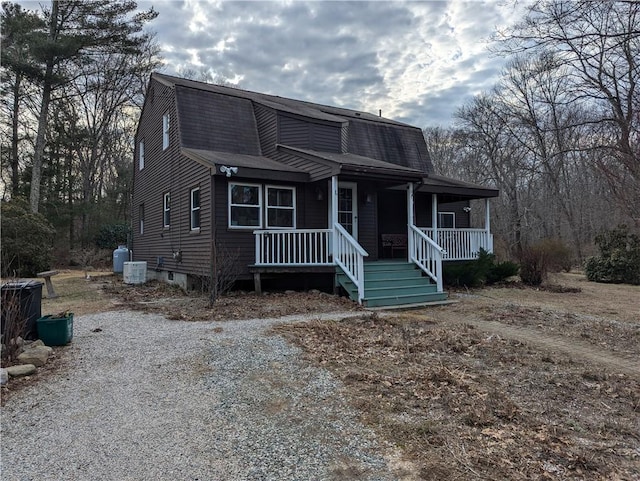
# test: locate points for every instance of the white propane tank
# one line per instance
(120, 256)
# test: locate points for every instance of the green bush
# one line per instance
(111, 236)
(27, 240)
(481, 271)
(619, 259)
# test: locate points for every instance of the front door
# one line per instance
(348, 207)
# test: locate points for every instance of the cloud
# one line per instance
(417, 61)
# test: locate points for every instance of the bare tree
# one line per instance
(597, 45)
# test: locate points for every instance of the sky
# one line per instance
(417, 62)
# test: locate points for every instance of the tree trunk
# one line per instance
(15, 164)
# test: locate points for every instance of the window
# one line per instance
(245, 206)
(166, 207)
(165, 131)
(195, 208)
(281, 210)
(141, 155)
(141, 216)
(446, 220)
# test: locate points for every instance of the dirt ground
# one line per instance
(508, 383)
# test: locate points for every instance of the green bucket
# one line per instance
(56, 330)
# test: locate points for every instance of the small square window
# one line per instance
(166, 208)
(446, 220)
(195, 208)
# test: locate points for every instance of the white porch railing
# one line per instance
(349, 256)
(301, 247)
(426, 254)
(461, 244)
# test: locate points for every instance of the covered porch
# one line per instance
(352, 242)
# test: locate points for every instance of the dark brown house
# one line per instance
(291, 187)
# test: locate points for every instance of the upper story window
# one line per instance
(141, 155)
(245, 205)
(165, 131)
(195, 208)
(447, 220)
(166, 210)
(281, 210)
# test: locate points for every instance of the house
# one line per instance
(292, 187)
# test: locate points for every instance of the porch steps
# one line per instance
(392, 283)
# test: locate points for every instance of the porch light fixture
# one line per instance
(368, 198)
(319, 194)
(467, 209)
(228, 170)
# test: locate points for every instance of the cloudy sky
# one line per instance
(415, 61)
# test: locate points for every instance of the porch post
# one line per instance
(487, 225)
(434, 217)
(333, 218)
(410, 221)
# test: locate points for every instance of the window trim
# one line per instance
(141, 154)
(267, 207)
(166, 210)
(260, 206)
(452, 214)
(166, 123)
(193, 209)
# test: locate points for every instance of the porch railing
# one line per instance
(461, 244)
(426, 254)
(308, 247)
(349, 256)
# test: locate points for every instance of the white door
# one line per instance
(348, 207)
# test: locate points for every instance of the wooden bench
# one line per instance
(47, 275)
(394, 242)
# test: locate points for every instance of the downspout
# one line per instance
(213, 277)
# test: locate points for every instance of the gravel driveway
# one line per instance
(151, 399)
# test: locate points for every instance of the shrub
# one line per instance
(483, 270)
(534, 265)
(111, 236)
(27, 240)
(558, 255)
(619, 259)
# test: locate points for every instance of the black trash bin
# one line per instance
(23, 298)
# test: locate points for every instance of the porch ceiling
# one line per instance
(347, 163)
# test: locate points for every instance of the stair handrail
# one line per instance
(427, 255)
(349, 255)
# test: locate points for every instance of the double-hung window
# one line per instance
(166, 210)
(165, 131)
(245, 206)
(281, 210)
(446, 220)
(141, 155)
(195, 208)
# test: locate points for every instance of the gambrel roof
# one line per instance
(219, 125)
